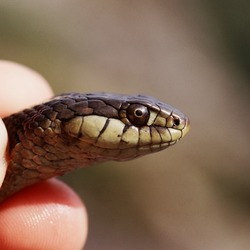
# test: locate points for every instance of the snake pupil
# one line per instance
(138, 113)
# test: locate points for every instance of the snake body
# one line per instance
(76, 130)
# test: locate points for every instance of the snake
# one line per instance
(76, 130)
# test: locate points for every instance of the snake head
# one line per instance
(119, 127)
(77, 130)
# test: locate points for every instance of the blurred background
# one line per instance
(194, 55)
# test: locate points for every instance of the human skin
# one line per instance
(47, 215)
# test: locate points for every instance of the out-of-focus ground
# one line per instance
(193, 55)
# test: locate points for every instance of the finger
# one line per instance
(20, 87)
(56, 222)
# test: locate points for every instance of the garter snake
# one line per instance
(76, 130)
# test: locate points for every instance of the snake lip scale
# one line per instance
(76, 130)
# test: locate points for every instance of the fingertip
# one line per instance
(50, 211)
(20, 87)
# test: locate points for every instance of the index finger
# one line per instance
(20, 87)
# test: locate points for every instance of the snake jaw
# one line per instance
(111, 139)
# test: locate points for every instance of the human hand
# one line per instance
(47, 215)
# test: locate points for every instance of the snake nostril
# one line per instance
(176, 121)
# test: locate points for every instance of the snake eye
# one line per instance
(138, 114)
